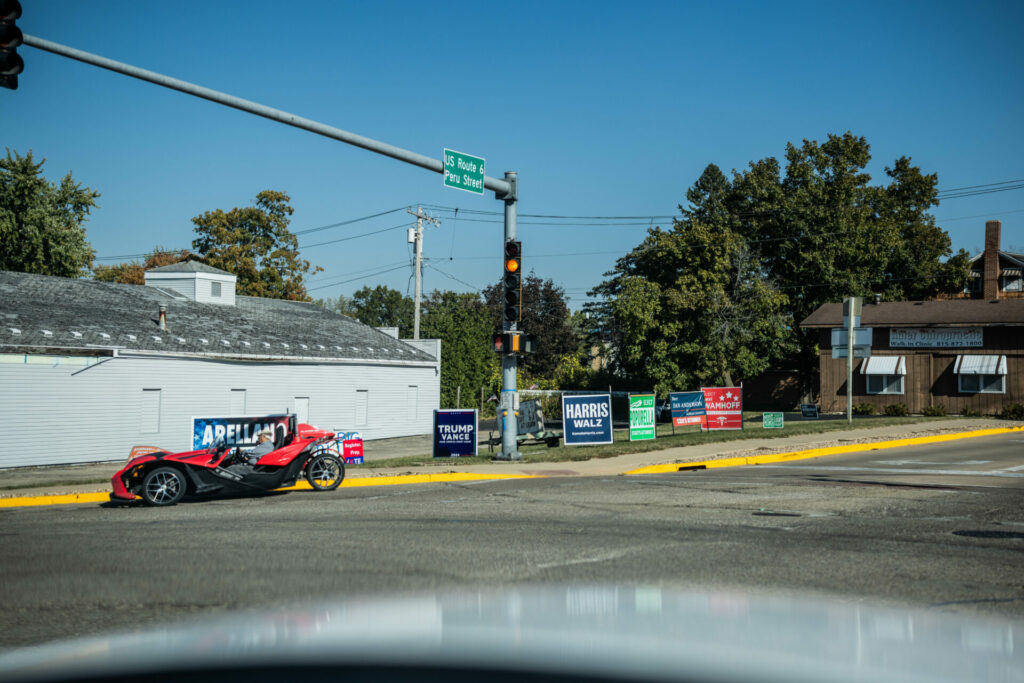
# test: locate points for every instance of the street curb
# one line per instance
(817, 452)
(396, 480)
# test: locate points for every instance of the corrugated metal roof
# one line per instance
(980, 365)
(884, 365)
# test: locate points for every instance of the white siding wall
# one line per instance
(59, 413)
(203, 283)
(184, 284)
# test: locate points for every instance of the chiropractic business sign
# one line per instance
(455, 433)
(687, 408)
(587, 419)
(724, 406)
(236, 430)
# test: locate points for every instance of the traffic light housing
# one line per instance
(512, 281)
(11, 63)
(513, 342)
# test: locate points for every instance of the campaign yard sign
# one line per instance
(236, 430)
(687, 408)
(455, 433)
(773, 420)
(641, 417)
(724, 407)
(586, 419)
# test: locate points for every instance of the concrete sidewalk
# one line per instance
(95, 477)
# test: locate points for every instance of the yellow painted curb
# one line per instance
(102, 497)
(818, 452)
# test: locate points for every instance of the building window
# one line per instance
(981, 374)
(412, 402)
(302, 409)
(982, 384)
(215, 289)
(362, 407)
(1011, 283)
(149, 412)
(885, 384)
(974, 283)
(237, 404)
(884, 374)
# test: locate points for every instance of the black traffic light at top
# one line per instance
(512, 282)
(11, 63)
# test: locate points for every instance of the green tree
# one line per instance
(342, 305)
(689, 306)
(42, 223)
(133, 272)
(463, 324)
(255, 244)
(546, 316)
(829, 234)
(382, 306)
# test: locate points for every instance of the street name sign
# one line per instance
(463, 171)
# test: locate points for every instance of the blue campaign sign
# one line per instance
(687, 408)
(237, 430)
(587, 419)
(455, 433)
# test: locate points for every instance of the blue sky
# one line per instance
(604, 109)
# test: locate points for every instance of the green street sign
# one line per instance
(463, 171)
(772, 420)
(641, 417)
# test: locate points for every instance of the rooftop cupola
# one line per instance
(196, 281)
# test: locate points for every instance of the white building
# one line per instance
(90, 369)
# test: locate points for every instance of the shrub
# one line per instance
(864, 409)
(896, 410)
(1014, 411)
(970, 412)
(934, 411)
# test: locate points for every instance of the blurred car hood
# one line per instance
(644, 633)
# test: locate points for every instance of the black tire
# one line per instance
(163, 486)
(325, 472)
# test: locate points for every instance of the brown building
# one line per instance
(995, 274)
(955, 354)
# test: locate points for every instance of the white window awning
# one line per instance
(884, 365)
(980, 365)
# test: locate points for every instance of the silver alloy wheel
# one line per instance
(163, 487)
(325, 472)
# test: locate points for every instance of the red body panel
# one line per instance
(123, 481)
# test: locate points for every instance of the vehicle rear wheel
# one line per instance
(163, 486)
(325, 472)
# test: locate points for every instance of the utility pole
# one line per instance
(420, 217)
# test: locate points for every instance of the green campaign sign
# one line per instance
(463, 171)
(772, 420)
(641, 417)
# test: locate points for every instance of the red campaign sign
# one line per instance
(724, 406)
(352, 450)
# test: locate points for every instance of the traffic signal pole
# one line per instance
(504, 190)
(508, 408)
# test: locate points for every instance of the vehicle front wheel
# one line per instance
(325, 472)
(163, 486)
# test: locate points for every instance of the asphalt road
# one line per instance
(939, 526)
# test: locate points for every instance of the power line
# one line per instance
(361, 277)
(348, 222)
(452, 277)
(353, 237)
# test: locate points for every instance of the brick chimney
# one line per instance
(990, 274)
